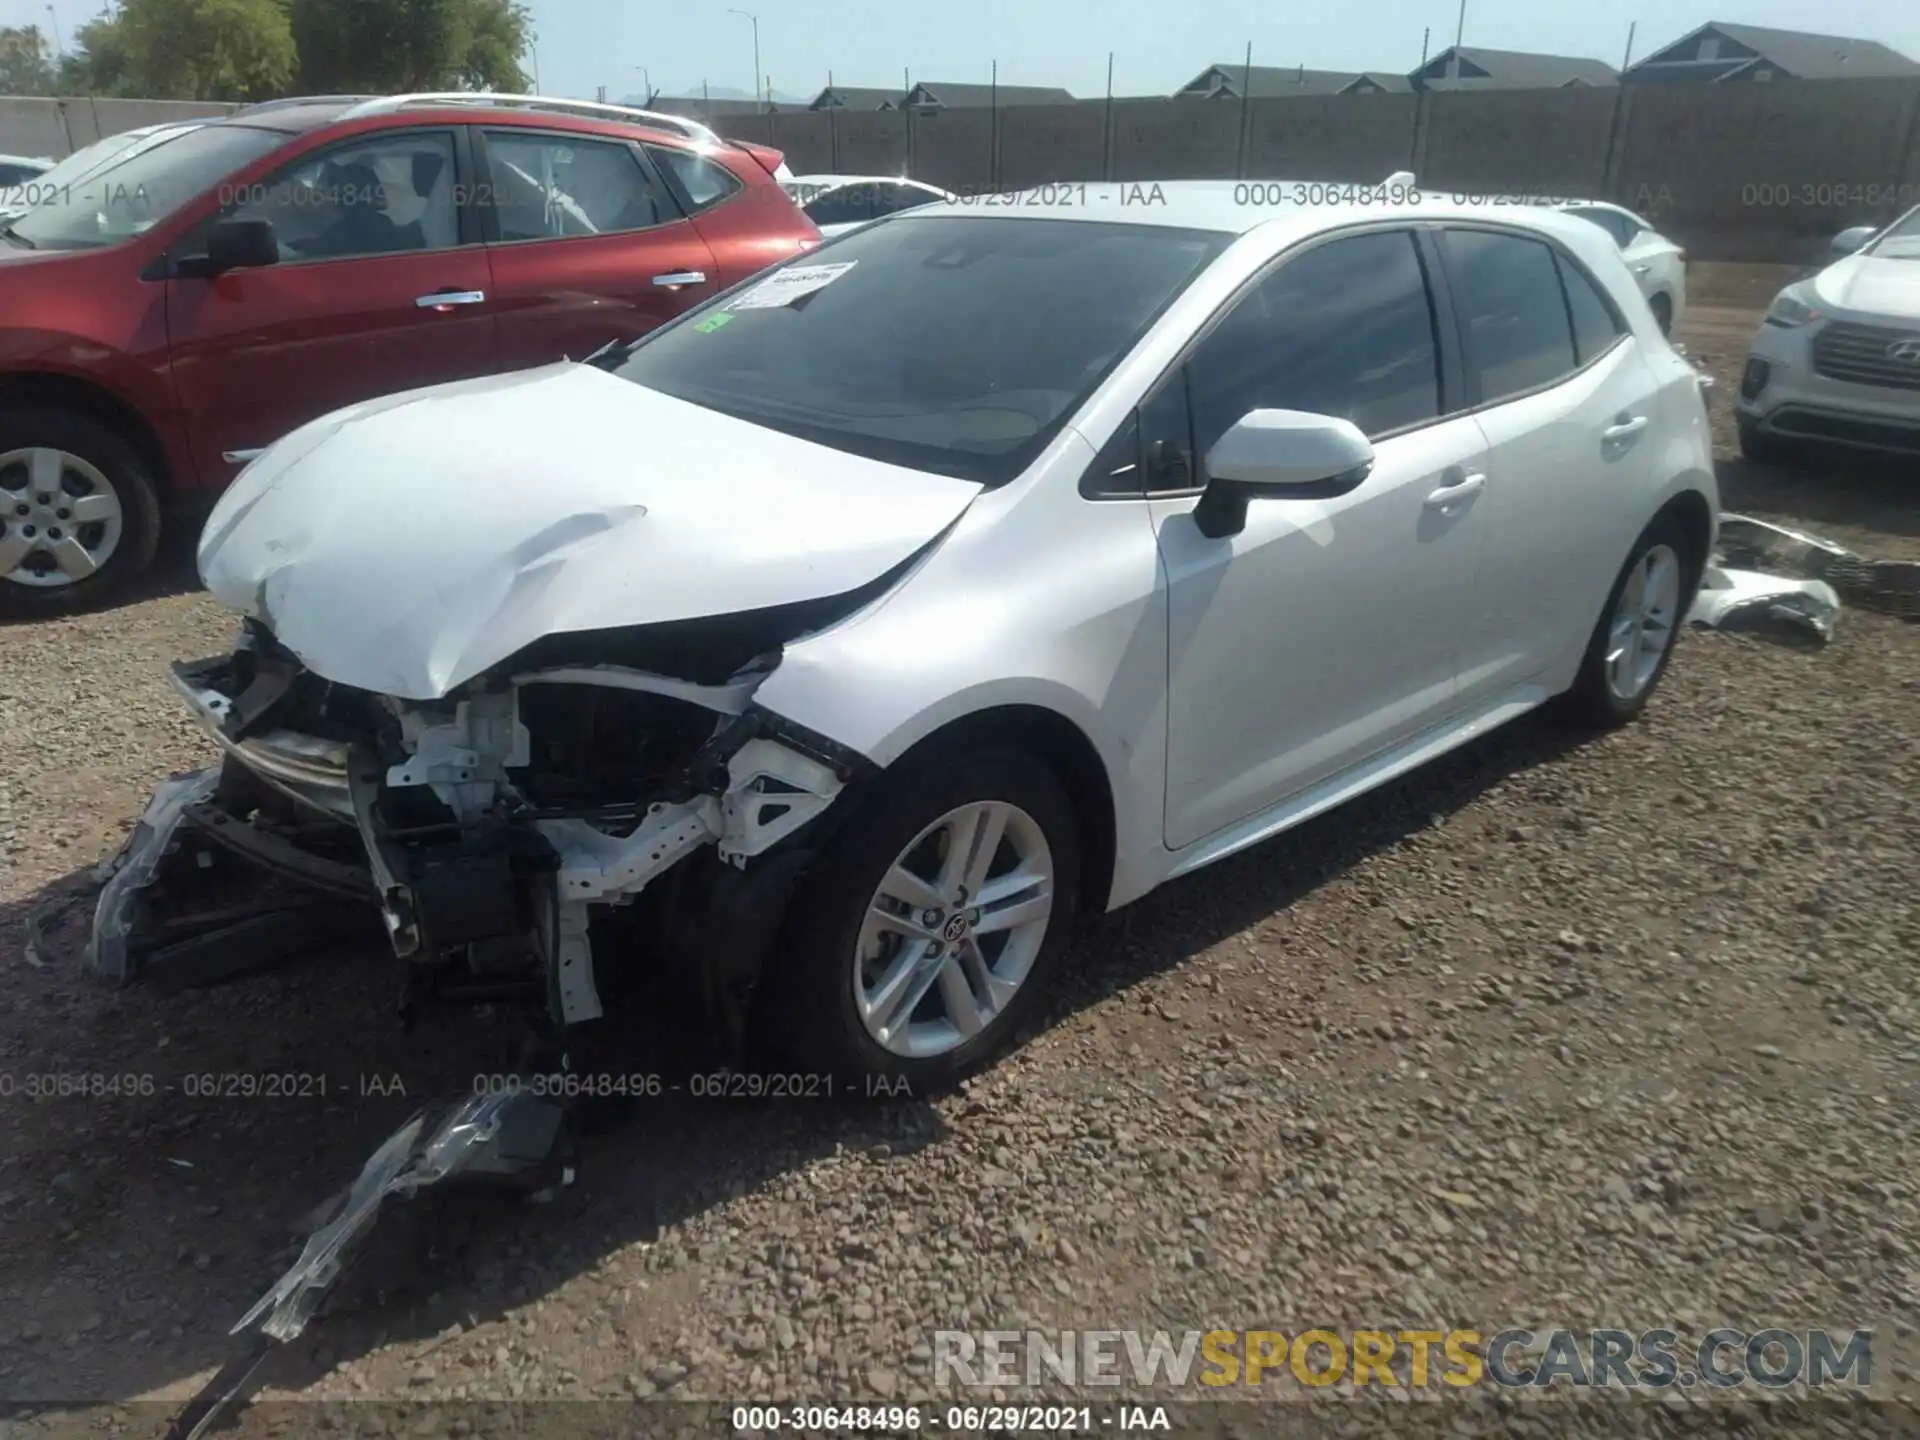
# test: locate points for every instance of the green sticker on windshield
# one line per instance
(714, 322)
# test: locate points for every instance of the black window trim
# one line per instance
(681, 196)
(483, 172)
(1471, 372)
(1449, 351)
(192, 243)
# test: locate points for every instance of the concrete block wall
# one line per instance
(1760, 172)
(58, 127)
(1749, 172)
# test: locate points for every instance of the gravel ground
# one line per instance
(1614, 1033)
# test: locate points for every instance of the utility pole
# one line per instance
(1627, 59)
(646, 80)
(1460, 30)
(59, 45)
(1426, 39)
(759, 85)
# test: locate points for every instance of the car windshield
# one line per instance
(955, 344)
(1901, 240)
(75, 165)
(132, 195)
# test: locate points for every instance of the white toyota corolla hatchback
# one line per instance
(844, 641)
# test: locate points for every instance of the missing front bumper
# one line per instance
(426, 825)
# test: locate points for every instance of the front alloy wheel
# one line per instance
(79, 516)
(953, 930)
(60, 518)
(921, 938)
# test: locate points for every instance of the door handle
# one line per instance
(1641, 269)
(441, 299)
(674, 279)
(1460, 486)
(1625, 428)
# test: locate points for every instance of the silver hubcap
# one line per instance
(60, 518)
(953, 931)
(1643, 622)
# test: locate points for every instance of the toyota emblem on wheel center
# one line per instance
(956, 929)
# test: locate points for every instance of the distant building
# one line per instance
(1468, 67)
(1227, 81)
(933, 95)
(855, 97)
(700, 107)
(1718, 54)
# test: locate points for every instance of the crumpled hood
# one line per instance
(406, 544)
(1873, 285)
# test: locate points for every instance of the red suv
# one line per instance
(165, 322)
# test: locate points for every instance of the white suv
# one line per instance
(875, 620)
(1837, 359)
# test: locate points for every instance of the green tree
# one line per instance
(349, 46)
(26, 63)
(97, 65)
(232, 50)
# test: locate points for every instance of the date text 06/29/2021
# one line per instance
(995, 1419)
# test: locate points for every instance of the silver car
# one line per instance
(1837, 359)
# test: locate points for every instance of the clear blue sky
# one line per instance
(584, 44)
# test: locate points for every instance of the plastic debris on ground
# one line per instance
(1773, 577)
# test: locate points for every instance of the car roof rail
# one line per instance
(591, 109)
(290, 100)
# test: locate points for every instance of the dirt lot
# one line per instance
(1616, 1033)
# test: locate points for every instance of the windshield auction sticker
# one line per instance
(786, 286)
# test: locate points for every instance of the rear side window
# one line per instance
(847, 205)
(1344, 329)
(1512, 311)
(706, 182)
(1595, 327)
(900, 197)
(553, 187)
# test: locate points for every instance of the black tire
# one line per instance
(1662, 313)
(805, 1009)
(1591, 703)
(37, 425)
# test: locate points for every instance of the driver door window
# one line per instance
(1344, 329)
(387, 194)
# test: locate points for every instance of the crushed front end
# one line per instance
(485, 834)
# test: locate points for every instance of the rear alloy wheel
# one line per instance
(924, 937)
(1630, 647)
(77, 513)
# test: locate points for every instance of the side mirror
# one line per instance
(1849, 241)
(1279, 455)
(240, 245)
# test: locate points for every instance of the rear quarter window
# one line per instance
(702, 183)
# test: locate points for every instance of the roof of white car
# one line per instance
(833, 182)
(1237, 207)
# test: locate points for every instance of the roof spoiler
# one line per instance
(771, 160)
